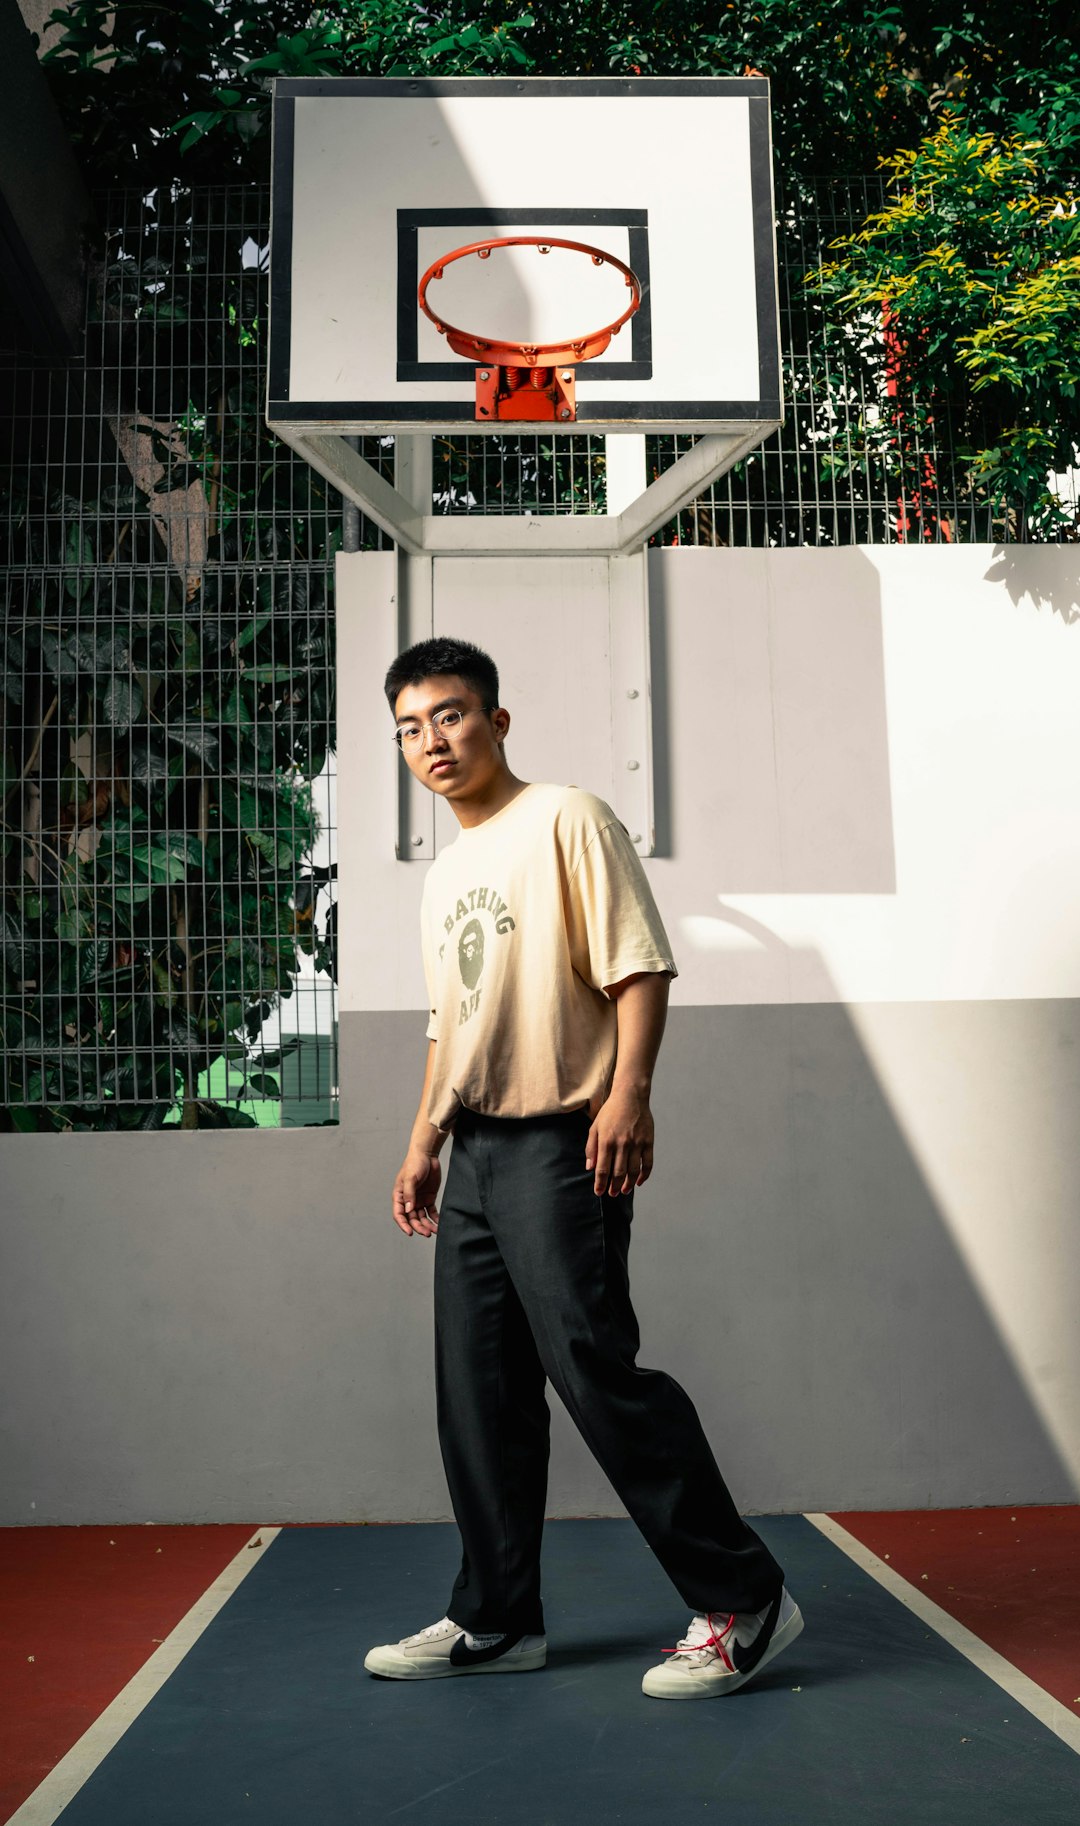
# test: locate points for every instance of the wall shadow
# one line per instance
(799, 1274)
(1047, 576)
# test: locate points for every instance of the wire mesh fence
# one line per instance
(519, 474)
(173, 792)
(168, 917)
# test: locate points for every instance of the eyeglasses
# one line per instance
(444, 722)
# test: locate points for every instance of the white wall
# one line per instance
(884, 808)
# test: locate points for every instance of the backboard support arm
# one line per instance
(525, 535)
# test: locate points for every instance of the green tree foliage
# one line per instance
(851, 82)
(142, 86)
(975, 269)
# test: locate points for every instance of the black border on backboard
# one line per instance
(635, 221)
(279, 360)
(382, 412)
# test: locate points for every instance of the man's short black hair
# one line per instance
(440, 659)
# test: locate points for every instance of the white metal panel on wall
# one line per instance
(378, 898)
(570, 638)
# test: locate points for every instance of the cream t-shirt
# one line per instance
(526, 921)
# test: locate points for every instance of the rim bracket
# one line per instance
(526, 393)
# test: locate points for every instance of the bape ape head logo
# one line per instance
(471, 953)
(473, 911)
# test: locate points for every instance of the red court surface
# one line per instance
(81, 1610)
(1011, 1576)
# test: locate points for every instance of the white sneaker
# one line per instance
(445, 1648)
(721, 1652)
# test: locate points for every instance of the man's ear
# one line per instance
(500, 720)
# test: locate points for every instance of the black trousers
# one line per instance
(531, 1284)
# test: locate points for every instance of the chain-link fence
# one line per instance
(168, 926)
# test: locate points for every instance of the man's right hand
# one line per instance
(415, 1188)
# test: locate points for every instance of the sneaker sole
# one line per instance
(389, 1669)
(659, 1684)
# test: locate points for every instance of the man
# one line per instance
(548, 970)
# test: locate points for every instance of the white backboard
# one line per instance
(375, 178)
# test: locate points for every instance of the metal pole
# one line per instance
(350, 513)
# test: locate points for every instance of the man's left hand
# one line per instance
(619, 1150)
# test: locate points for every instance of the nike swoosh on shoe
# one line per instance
(461, 1655)
(745, 1658)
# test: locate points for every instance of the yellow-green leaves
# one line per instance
(975, 261)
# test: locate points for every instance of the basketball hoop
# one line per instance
(527, 380)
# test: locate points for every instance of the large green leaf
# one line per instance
(198, 740)
(270, 1059)
(25, 1119)
(61, 661)
(183, 1034)
(275, 849)
(167, 857)
(230, 1118)
(122, 702)
(78, 551)
(148, 765)
(236, 713)
(144, 1116)
(121, 1077)
(251, 630)
(94, 959)
(14, 950)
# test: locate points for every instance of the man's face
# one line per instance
(459, 763)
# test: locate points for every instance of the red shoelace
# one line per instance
(711, 1641)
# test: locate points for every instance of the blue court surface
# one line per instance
(869, 1718)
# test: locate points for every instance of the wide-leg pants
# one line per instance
(531, 1284)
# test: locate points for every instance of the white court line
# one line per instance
(62, 1783)
(1026, 1692)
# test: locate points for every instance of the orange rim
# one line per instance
(477, 348)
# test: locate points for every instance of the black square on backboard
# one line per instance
(577, 222)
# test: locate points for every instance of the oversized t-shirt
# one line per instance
(526, 921)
